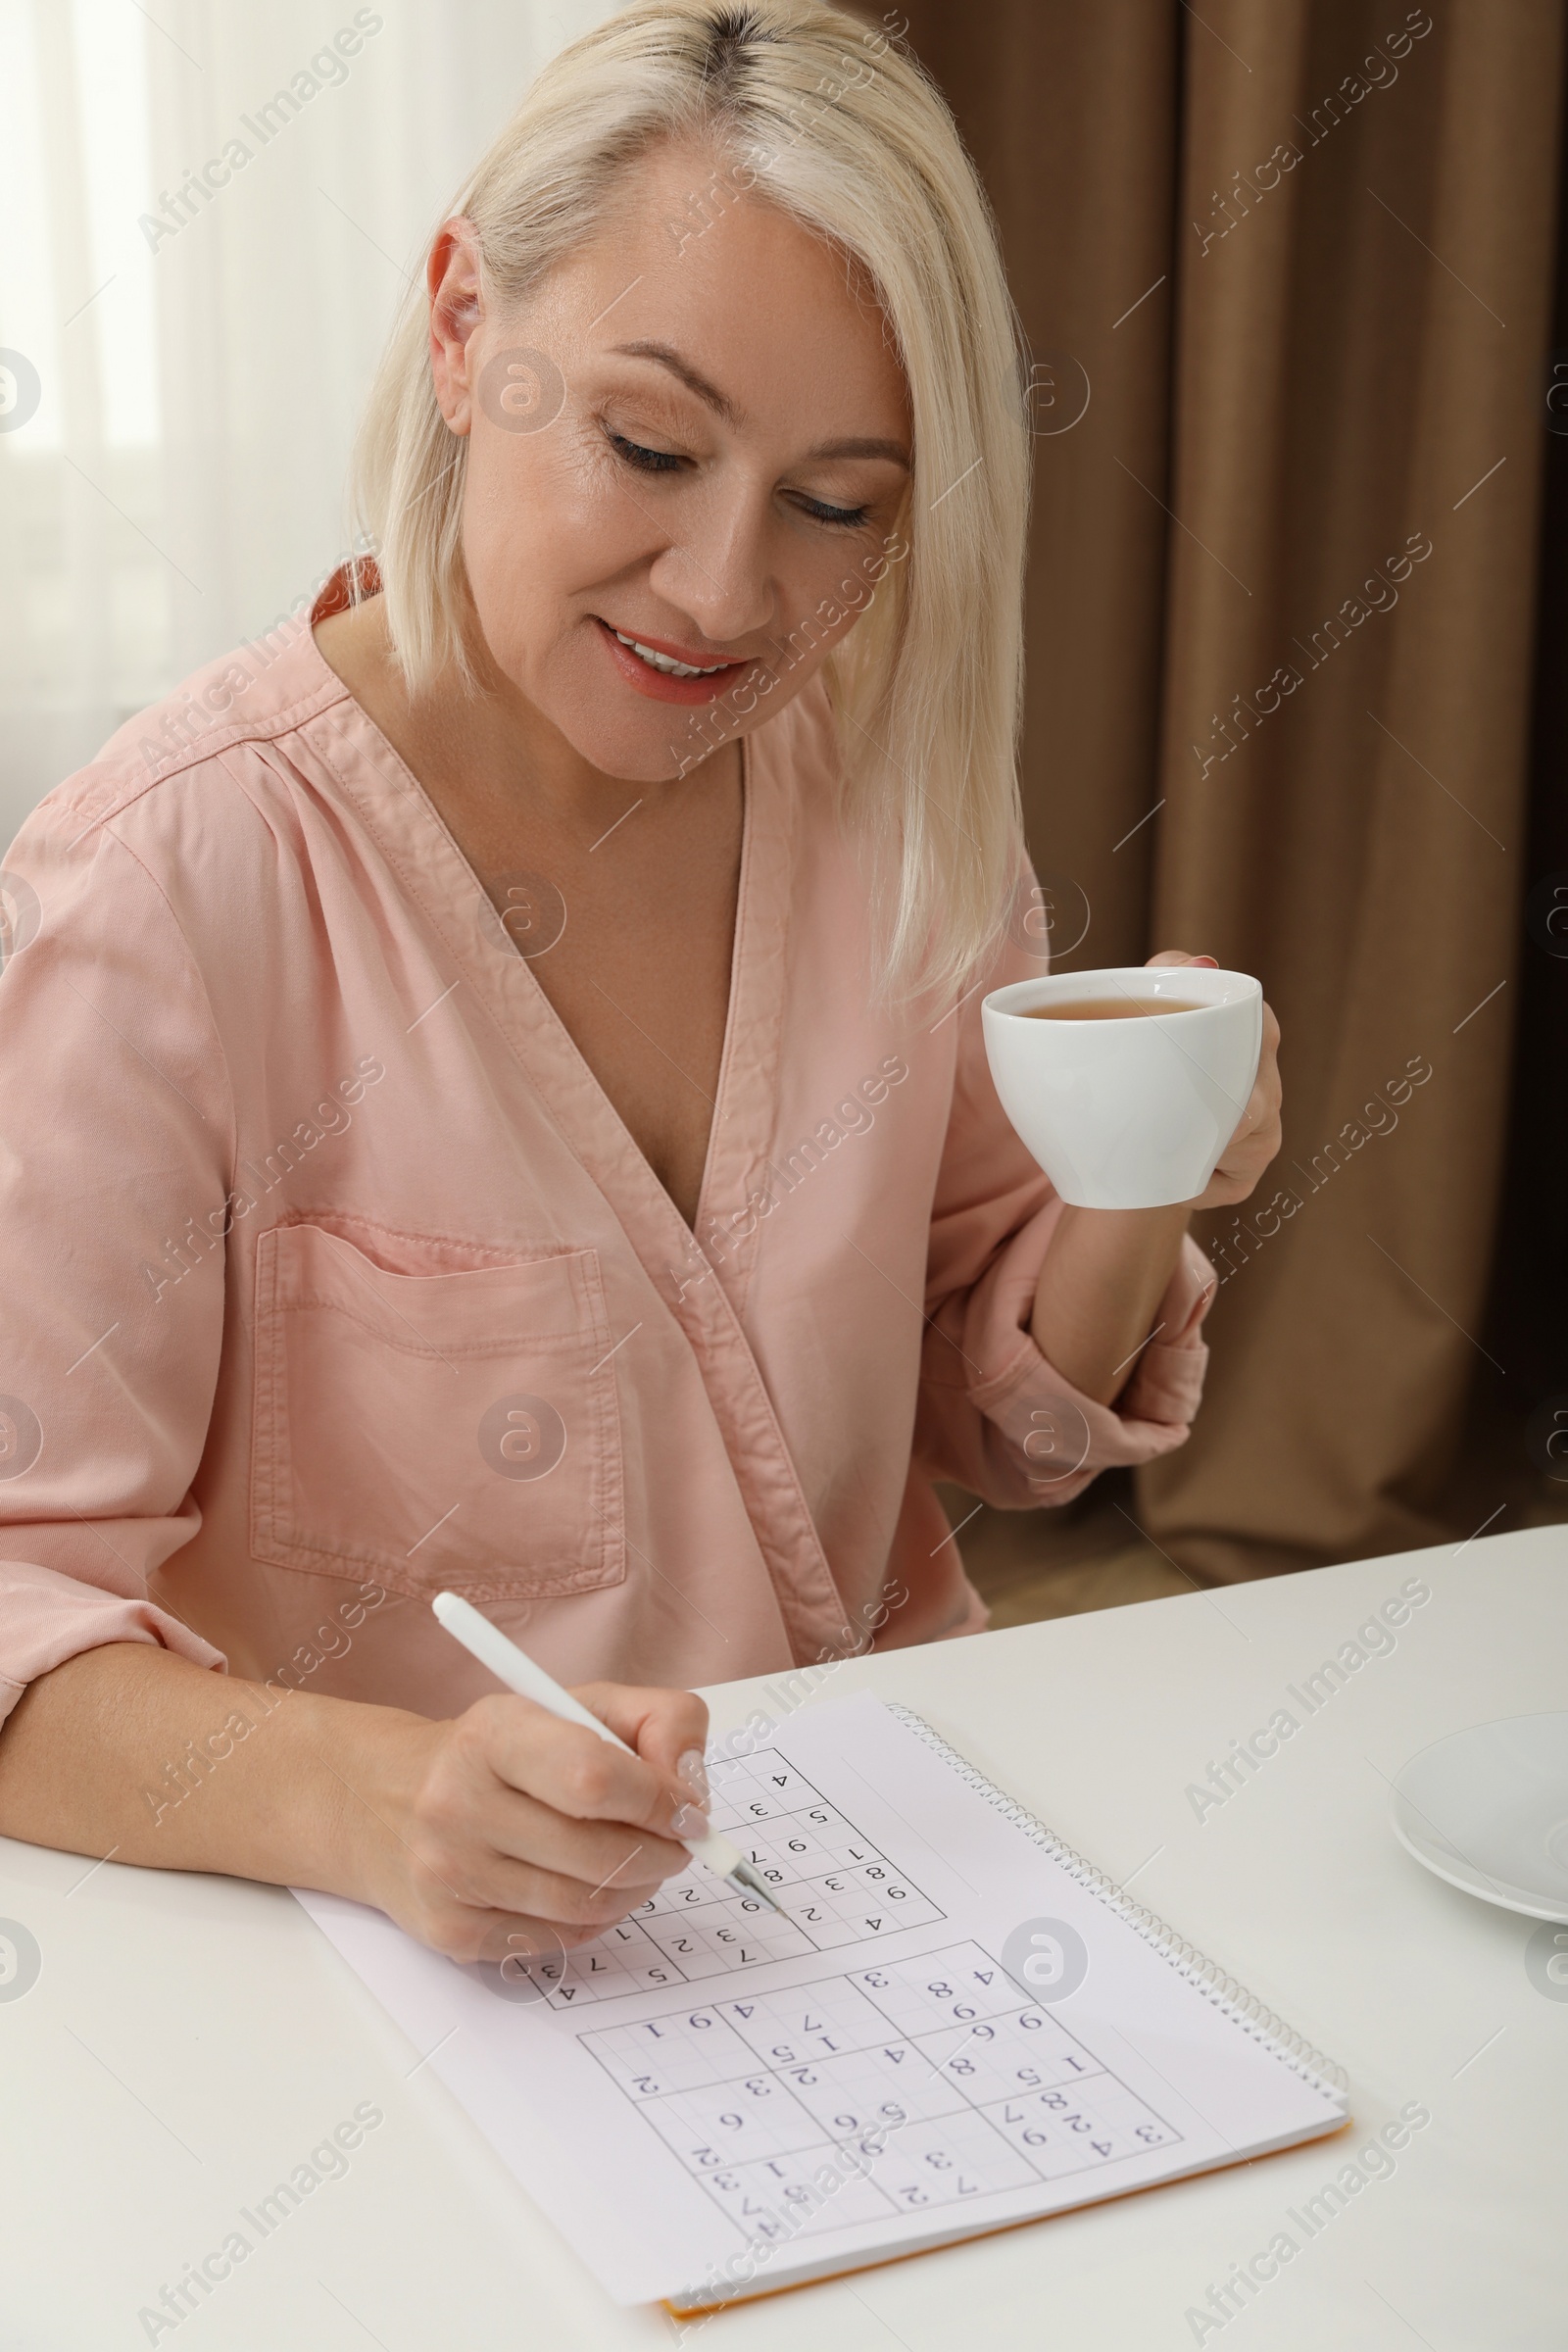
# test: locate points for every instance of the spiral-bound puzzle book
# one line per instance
(956, 2025)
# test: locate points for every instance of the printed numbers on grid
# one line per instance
(937, 2071)
(837, 1889)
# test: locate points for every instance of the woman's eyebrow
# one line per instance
(893, 450)
(723, 406)
(720, 401)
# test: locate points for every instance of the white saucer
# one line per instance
(1487, 1810)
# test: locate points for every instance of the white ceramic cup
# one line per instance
(1130, 1112)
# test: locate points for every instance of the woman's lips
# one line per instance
(658, 684)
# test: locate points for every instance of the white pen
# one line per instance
(514, 1667)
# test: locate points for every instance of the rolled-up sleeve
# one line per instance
(116, 1136)
(994, 1414)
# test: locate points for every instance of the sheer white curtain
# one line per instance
(208, 209)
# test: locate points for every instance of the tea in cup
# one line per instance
(1126, 1085)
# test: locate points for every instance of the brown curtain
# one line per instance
(1286, 268)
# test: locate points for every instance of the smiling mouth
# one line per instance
(664, 672)
(666, 663)
(661, 655)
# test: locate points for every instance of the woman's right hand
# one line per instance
(513, 1835)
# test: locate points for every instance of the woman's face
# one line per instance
(696, 438)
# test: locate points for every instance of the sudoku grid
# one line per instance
(933, 2075)
(835, 1885)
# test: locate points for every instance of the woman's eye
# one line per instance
(665, 460)
(843, 519)
(647, 460)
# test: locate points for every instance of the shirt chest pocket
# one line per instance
(455, 1430)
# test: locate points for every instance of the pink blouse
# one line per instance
(331, 1278)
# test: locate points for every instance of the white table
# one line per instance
(190, 2040)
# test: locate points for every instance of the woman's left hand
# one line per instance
(1259, 1135)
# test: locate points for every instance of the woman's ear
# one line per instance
(455, 277)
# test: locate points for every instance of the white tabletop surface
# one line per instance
(189, 2040)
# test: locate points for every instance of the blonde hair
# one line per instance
(820, 115)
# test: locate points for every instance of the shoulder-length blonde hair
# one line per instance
(821, 113)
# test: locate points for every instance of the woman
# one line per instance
(495, 1080)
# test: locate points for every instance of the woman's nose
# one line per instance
(717, 571)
